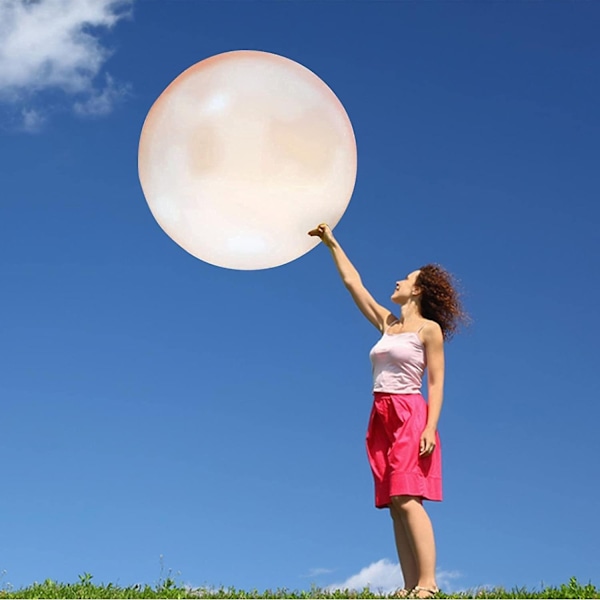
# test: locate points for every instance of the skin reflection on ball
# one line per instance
(242, 154)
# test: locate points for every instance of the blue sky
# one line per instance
(154, 405)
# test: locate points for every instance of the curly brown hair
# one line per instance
(440, 300)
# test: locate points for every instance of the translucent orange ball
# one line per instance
(242, 155)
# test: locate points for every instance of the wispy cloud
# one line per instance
(101, 102)
(382, 574)
(385, 576)
(446, 579)
(32, 120)
(319, 571)
(202, 591)
(55, 45)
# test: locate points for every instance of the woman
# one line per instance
(403, 445)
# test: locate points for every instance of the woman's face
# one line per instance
(405, 288)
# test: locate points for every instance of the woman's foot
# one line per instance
(423, 592)
(401, 593)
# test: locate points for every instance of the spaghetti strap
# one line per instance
(387, 328)
(419, 330)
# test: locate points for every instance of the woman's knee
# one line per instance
(400, 505)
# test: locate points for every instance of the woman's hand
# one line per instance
(324, 232)
(427, 445)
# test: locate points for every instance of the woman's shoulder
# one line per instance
(431, 331)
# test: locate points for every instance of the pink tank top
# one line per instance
(398, 362)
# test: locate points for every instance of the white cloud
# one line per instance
(385, 576)
(445, 580)
(382, 575)
(318, 571)
(101, 103)
(32, 120)
(55, 45)
(202, 591)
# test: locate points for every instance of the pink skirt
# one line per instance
(393, 437)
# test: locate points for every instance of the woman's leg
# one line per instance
(408, 563)
(420, 536)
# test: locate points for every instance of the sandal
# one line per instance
(416, 592)
(401, 593)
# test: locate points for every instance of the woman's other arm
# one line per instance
(434, 350)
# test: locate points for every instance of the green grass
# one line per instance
(168, 588)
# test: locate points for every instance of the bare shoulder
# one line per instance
(431, 332)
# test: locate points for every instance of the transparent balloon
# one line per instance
(243, 154)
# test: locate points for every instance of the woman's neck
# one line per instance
(410, 312)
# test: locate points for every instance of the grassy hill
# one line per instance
(167, 588)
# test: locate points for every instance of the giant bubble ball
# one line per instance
(244, 153)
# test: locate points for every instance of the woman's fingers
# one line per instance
(426, 446)
(320, 230)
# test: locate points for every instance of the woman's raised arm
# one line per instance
(378, 315)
